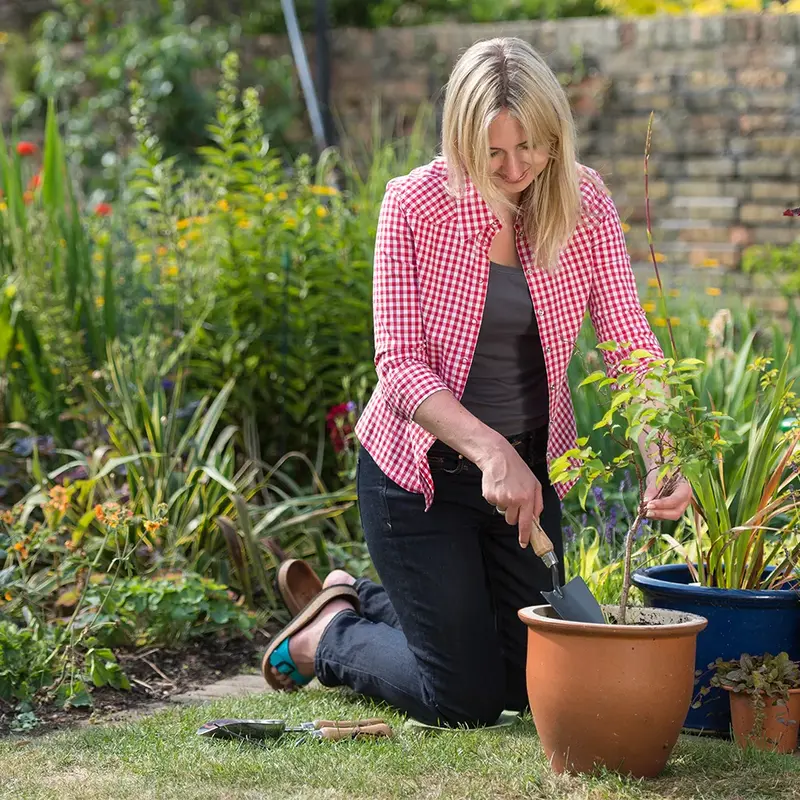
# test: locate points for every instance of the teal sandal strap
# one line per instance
(282, 661)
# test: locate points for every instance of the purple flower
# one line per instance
(611, 525)
(600, 499)
(351, 406)
(584, 520)
(167, 385)
(626, 482)
(643, 529)
(569, 534)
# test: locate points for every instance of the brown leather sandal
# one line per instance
(278, 655)
(298, 584)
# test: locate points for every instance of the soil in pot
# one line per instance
(773, 727)
(610, 695)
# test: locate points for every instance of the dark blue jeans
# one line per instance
(440, 639)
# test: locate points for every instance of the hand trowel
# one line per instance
(574, 601)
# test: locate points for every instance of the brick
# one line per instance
(705, 235)
(750, 123)
(711, 167)
(709, 79)
(771, 100)
(707, 188)
(785, 234)
(762, 167)
(755, 214)
(761, 78)
(785, 191)
(778, 145)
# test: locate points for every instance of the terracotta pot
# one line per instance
(778, 732)
(610, 695)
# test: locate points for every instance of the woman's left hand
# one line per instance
(670, 507)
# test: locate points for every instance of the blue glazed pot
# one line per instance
(739, 621)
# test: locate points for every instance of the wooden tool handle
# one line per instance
(540, 541)
(347, 723)
(337, 734)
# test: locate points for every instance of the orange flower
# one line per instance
(59, 499)
(98, 512)
(151, 525)
(26, 148)
(8, 517)
(27, 198)
(35, 182)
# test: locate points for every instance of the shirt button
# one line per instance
(547, 349)
(529, 271)
(465, 360)
(552, 387)
(540, 312)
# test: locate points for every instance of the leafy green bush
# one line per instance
(162, 611)
(27, 664)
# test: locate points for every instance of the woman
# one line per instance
(486, 261)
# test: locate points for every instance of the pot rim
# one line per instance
(535, 618)
(645, 578)
(750, 694)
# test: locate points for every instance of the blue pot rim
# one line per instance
(662, 580)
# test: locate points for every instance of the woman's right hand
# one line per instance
(510, 486)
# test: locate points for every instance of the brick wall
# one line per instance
(725, 90)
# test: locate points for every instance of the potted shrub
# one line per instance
(740, 567)
(764, 696)
(616, 695)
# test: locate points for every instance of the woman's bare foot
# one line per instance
(338, 578)
(303, 644)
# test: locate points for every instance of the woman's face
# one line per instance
(515, 162)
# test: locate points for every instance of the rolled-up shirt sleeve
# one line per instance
(401, 357)
(614, 307)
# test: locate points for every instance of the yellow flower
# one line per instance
(97, 256)
(322, 211)
(99, 301)
(703, 321)
(7, 596)
(62, 242)
(4, 207)
(660, 321)
(290, 223)
(183, 224)
(244, 224)
(172, 272)
(652, 282)
(626, 228)
(10, 291)
(660, 258)
(162, 251)
(675, 321)
(283, 196)
(674, 293)
(144, 258)
(193, 235)
(325, 191)
(19, 346)
(709, 262)
(182, 244)
(223, 205)
(713, 291)
(269, 197)
(649, 307)
(200, 220)
(15, 365)
(55, 371)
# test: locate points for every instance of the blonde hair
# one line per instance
(507, 73)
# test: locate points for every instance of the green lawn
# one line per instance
(161, 757)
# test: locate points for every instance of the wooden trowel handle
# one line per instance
(542, 545)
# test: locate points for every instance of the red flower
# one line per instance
(35, 182)
(26, 148)
(339, 425)
(792, 212)
(102, 209)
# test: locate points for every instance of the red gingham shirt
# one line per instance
(429, 287)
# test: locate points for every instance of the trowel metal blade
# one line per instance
(575, 602)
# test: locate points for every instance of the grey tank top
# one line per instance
(507, 384)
